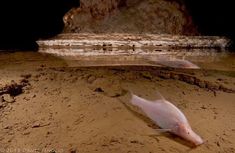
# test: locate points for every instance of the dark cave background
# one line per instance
(25, 21)
(213, 17)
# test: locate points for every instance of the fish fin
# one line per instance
(163, 130)
(160, 97)
(130, 91)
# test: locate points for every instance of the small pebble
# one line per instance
(35, 125)
(8, 98)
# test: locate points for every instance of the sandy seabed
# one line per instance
(46, 106)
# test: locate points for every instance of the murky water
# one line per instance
(206, 59)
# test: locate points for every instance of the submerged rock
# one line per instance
(8, 98)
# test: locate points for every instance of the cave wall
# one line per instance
(130, 16)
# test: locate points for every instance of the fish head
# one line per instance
(186, 132)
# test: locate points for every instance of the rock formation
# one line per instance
(130, 16)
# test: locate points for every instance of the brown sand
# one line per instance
(67, 110)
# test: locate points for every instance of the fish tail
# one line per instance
(133, 96)
(133, 99)
(137, 101)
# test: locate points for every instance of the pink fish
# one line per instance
(172, 62)
(178, 63)
(168, 117)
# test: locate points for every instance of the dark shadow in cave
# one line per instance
(25, 21)
(213, 17)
